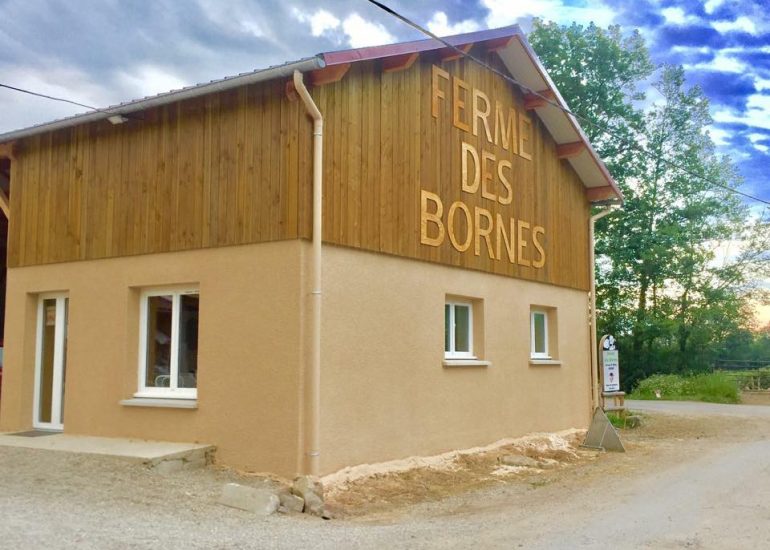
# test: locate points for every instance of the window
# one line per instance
(458, 330)
(168, 347)
(539, 334)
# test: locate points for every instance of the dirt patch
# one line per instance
(388, 495)
(372, 490)
(756, 397)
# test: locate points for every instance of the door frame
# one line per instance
(59, 361)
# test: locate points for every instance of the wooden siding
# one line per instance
(383, 146)
(227, 169)
(235, 168)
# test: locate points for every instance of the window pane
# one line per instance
(447, 328)
(188, 341)
(158, 342)
(64, 357)
(539, 320)
(462, 328)
(45, 397)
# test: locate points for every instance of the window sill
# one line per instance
(466, 363)
(546, 362)
(160, 402)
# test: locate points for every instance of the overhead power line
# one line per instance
(124, 116)
(22, 90)
(550, 101)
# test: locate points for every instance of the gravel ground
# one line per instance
(686, 482)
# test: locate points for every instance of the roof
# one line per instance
(509, 42)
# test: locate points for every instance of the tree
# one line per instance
(660, 288)
(599, 73)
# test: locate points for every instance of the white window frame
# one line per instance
(451, 353)
(59, 359)
(533, 353)
(173, 391)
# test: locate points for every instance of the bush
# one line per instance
(716, 387)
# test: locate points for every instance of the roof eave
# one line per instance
(279, 71)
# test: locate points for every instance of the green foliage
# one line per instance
(666, 289)
(716, 387)
(619, 420)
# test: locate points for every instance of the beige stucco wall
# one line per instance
(385, 393)
(249, 364)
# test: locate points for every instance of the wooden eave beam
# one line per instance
(7, 150)
(5, 205)
(605, 192)
(399, 62)
(570, 150)
(539, 100)
(450, 54)
(329, 74)
(498, 43)
(291, 91)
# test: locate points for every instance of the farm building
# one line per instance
(355, 257)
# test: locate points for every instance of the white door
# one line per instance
(50, 363)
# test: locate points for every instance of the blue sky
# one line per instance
(106, 51)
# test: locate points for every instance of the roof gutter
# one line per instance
(279, 71)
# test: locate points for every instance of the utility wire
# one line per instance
(48, 97)
(107, 112)
(550, 101)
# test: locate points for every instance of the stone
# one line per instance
(518, 460)
(314, 505)
(547, 465)
(311, 492)
(259, 501)
(292, 503)
(303, 485)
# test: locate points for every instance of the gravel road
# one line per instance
(699, 409)
(695, 482)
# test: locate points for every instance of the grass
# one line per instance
(619, 420)
(715, 387)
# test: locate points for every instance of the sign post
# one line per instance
(612, 398)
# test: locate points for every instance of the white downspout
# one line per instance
(594, 358)
(313, 381)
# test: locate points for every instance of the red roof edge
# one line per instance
(416, 46)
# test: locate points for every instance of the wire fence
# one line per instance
(749, 374)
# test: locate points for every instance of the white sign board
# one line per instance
(611, 370)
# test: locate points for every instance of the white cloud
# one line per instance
(755, 139)
(728, 116)
(320, 22)
(439, 25)
(719, 136)
(506, 12)
(354, 30)
(722, 63)
(323, 21)
(146, 80)
(743, 23)
(677, 16)
(361, 32)
(237, 16)
(711, 5)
